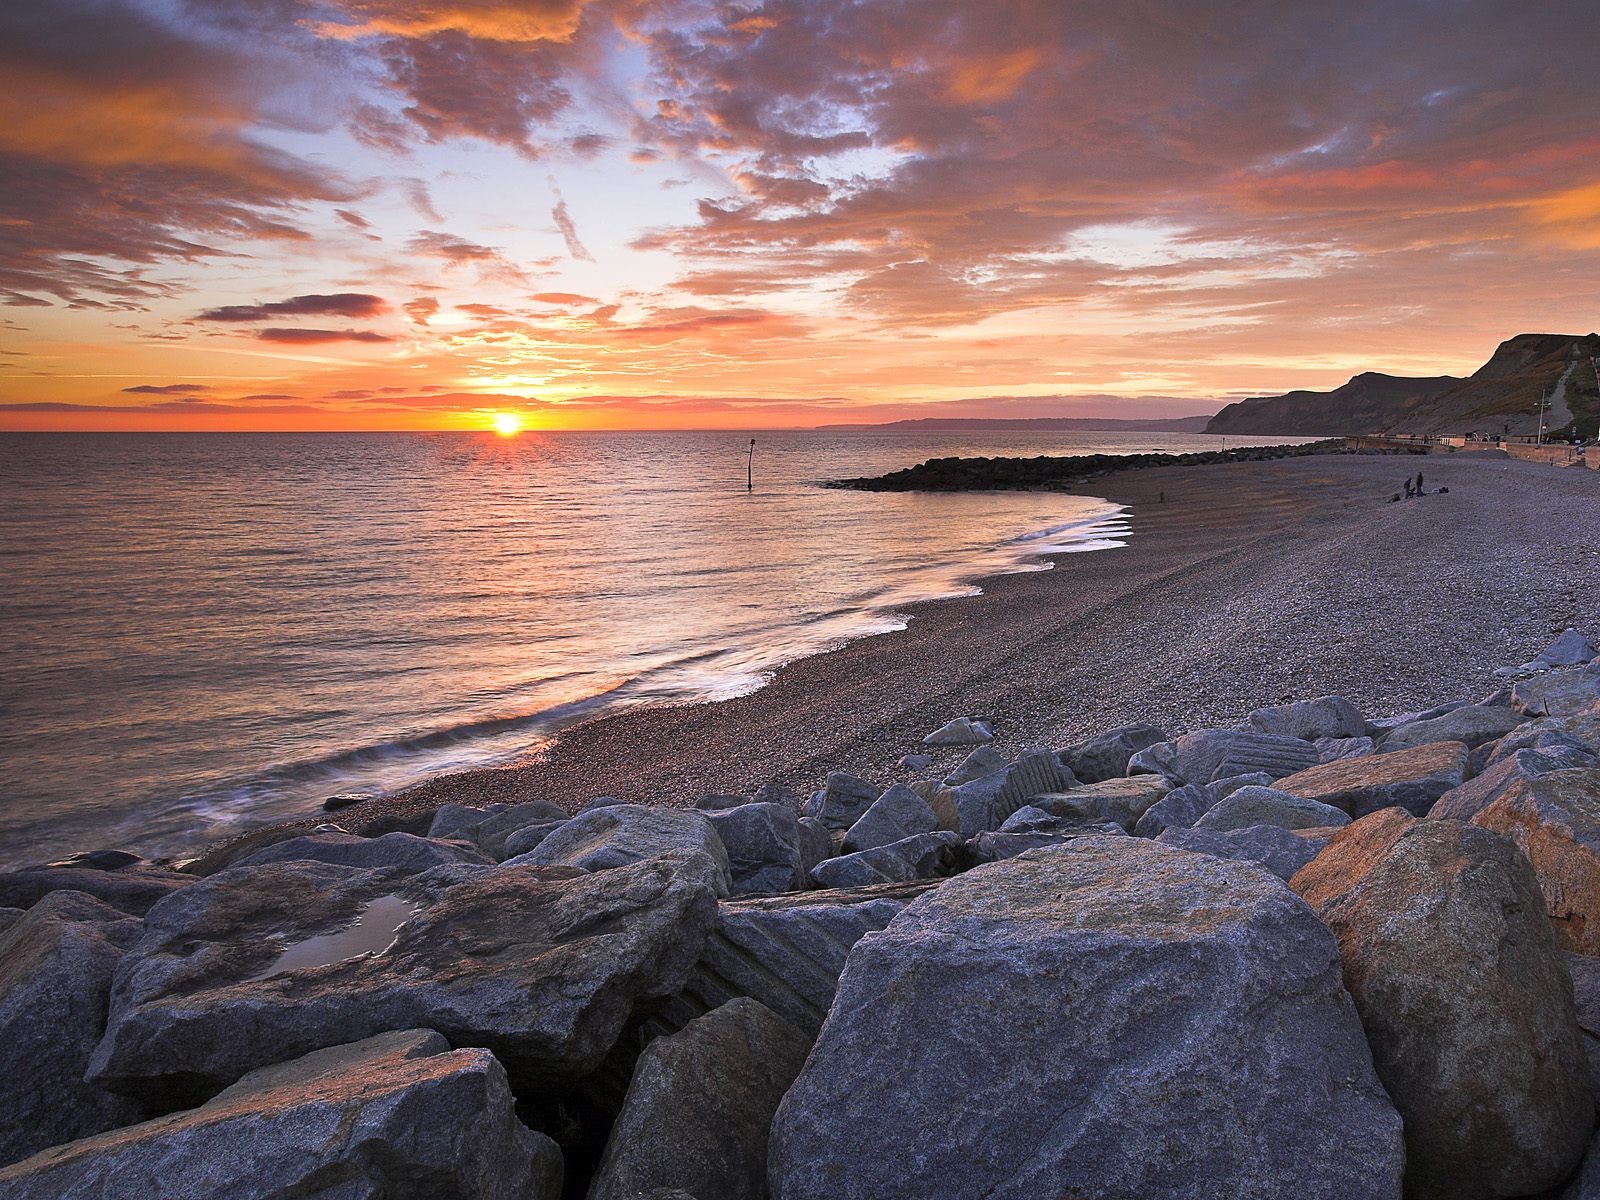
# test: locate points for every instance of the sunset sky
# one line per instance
(257, 214)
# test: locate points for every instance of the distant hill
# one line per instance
(1001, 424)
(1502, 396)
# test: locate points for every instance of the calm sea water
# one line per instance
(202, 632)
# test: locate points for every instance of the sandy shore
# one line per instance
(1248, 584)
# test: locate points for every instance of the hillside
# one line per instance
(1502, 396)
(1028, 424)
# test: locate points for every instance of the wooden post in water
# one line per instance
(750, 468)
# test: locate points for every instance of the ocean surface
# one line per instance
(203, 632)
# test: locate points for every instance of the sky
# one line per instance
(398, 214)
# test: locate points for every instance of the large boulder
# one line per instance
(1333, 749)
(400, 1114)
(56, 964)
(993, 846)
(1472, 724)
(1558, 694)
(1478, 793)
(764, 847)
(1279, 850)
(699, 1108)
(787, 951)
(963, 731)
(1554, 819)
(841, 801)
(1268, 806)
(986, 803)
(985, 760)
(133, 888)
(1106, 755)
(1121, 801)
(541, 965)
(403, 851)
(924, 856)
(602, 839)
(1410, 779)
(894, 816)
(1465, 998)
(1323, 717)
(1568, 650)
(491, 833)
(1108, 1018)
(1209, 754)
(529, 838)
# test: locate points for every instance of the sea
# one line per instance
(204, 632)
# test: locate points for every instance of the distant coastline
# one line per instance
(1195, 424)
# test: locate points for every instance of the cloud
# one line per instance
(168, 389)
(562, 298)
(421, 309)
(569, 230)
(337, 304)
(310, 337)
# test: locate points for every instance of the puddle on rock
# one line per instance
(372, 933)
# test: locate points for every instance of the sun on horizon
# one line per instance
(506, 424)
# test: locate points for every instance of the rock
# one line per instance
(541, 965)
(1158, 758)
(1108, 1018)
(1585, 973)
(56, 964)
(1106, 755)
(1554, 819)
(1309, 720)
(963, 731)
(1558, 694)
(619, 834)
(1478, 793)
(763, 842)
(400, 1114)
(457, 821)
(1410, 779)
(1568, 650)
(1268, 806)
(1209, 754)
(915, 762)
(1465, 999)
(10, 916)
(100, 860)
(1178, 809)
(721, 802)
(990, 847)
(1028, 817)
(345, 800)
(1279, 850)
(1379, 727)
(492, 833)
(1472, 724)
(600, 802)
(787, 951)
(816, 844)
(842, 800)
(529, 838)
(985, 760)
(1123, 802)
(1333, 749)
(1546, 736)
(133, 889)
(402, 851)
(700, 1106)
(925, 856)
(894, 816)
(986, 803)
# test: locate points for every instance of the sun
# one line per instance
(507, 424)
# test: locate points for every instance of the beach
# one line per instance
(1242, 585)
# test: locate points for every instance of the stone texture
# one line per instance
(763, 843)
(1410, 779)
(842, 800)
(986, 803)
(1108, 1018)
(1268, 806)
(894, 816)
(1209, 754)
(925, 856)
(56, 964)
(1558, 694)
(540, 965)
(1000, 844)
(1106, 755)
(403, 851)
(1476, 794)
(985, 760)
(1568, 650)
(1472, 724)
(787, 951)
(492, 832)
(1585, 973)
(1465, 999)
(529, 838)
(963, 731)
(1554, 819)
(700, 1106)
(398, 1115)
(1120, 801)
(1333, 749)
(1178, 809)
(132, 889)
(816, 844)
(602, 839)
(1279, 850)
(1545, 735)
(1158, 758)
(1323, 717)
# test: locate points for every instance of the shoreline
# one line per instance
(1224, 599)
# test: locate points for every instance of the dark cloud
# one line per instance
(310, 337)
(168, 389)
(337, 304)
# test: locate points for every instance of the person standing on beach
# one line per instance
(1408, 487)
(1419, 483)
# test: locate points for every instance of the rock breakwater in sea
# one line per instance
(1320, 953)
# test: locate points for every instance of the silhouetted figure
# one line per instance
(1419, 483)
(1408, 487)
